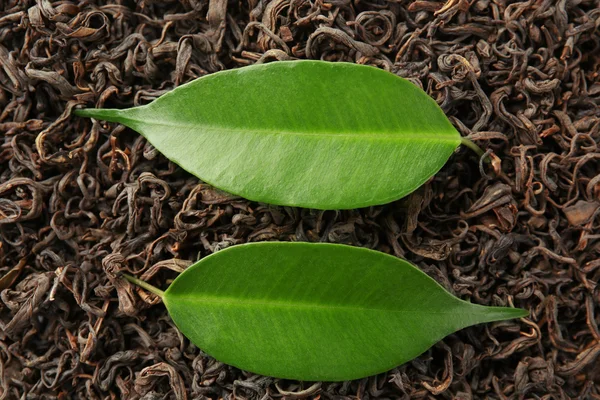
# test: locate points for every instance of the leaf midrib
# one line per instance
(303, 305)
(396, 136)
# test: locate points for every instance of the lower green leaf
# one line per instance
(316, 311)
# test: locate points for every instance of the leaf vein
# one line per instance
(208, 128)
(283, 304)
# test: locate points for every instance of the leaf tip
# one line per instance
(520, 313)
(494, 313)
(85, 112)
(504, 313)
(104, 114)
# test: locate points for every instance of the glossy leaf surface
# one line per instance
(316, 311)
(299, 133)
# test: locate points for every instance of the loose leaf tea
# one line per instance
(299, 133)
(11, 276)
(315, 311)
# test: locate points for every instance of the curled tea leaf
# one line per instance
(11, 276)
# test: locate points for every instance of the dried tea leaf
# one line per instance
(299, 133)
(315, 311)
(11, 276)
(581, 212)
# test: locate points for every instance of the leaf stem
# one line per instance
(470, 144)
(145, 285)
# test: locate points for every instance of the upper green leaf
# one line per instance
(299, 133)
(315, 311)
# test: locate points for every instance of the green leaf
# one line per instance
(315, 311)
(299, 133)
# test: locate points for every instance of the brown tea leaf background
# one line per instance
(82, 202)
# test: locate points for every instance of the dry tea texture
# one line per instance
(520, 78)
